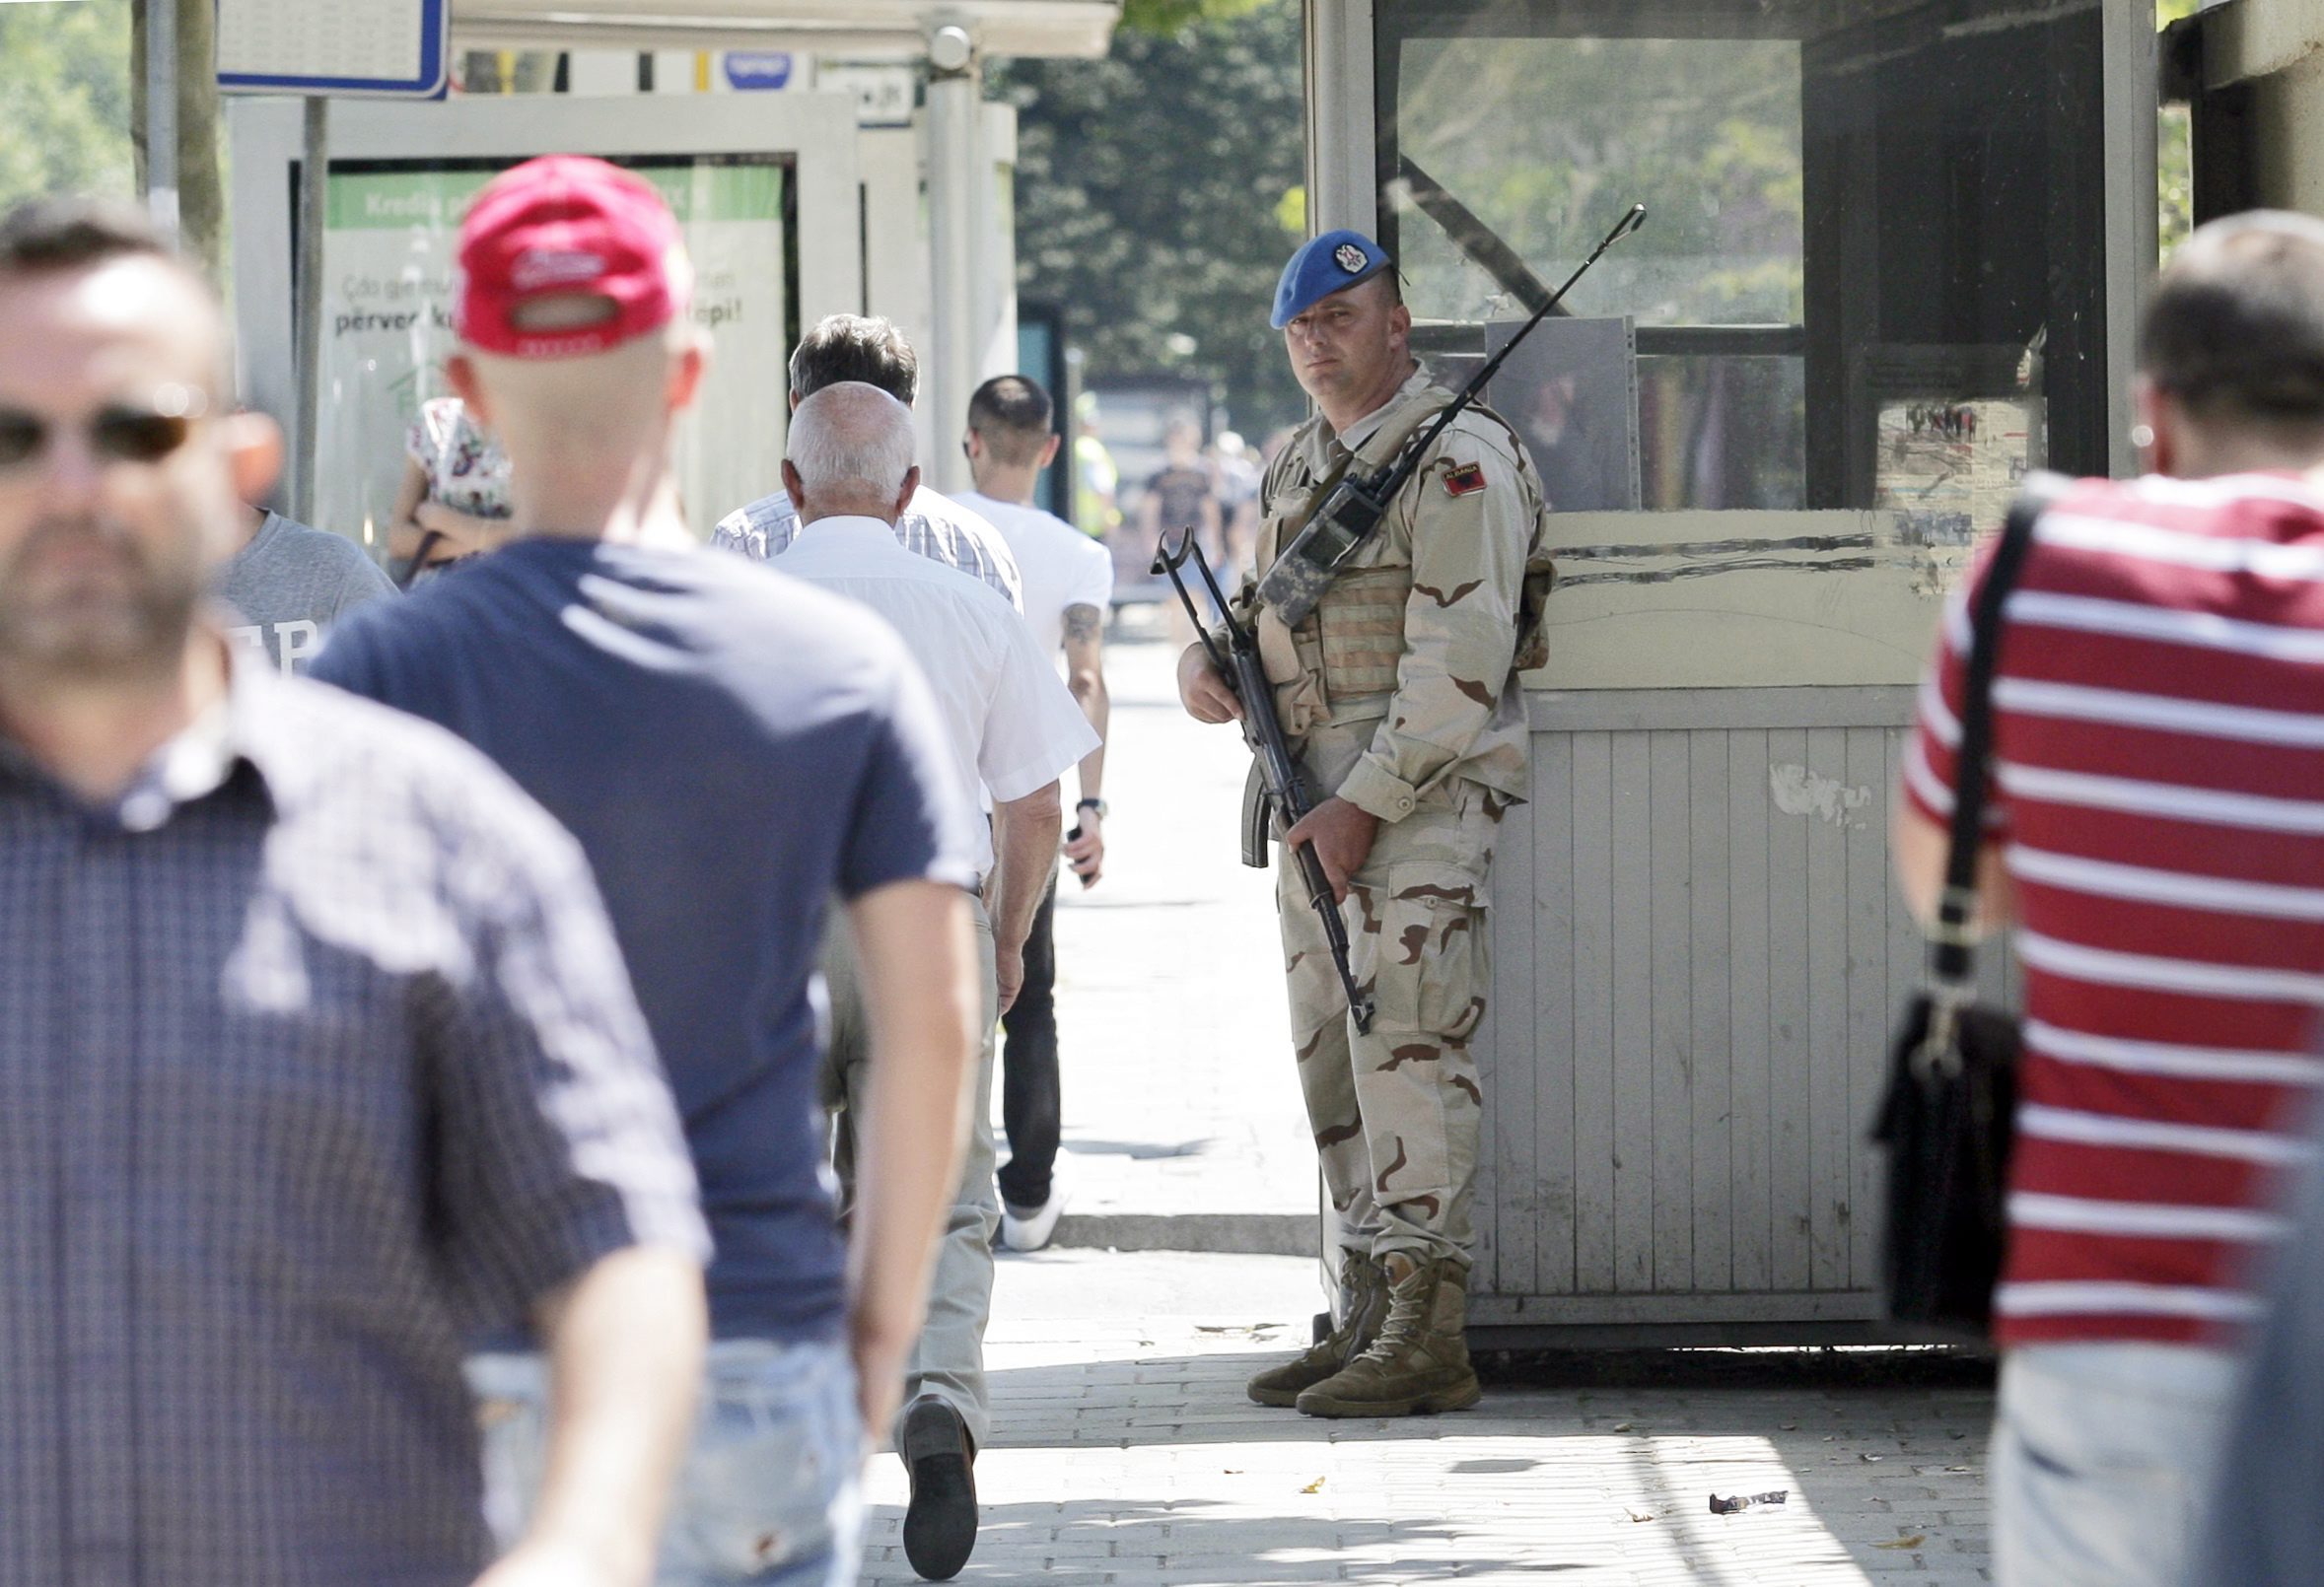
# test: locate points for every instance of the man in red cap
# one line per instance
(649, 693)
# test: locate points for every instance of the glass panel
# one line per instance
(1723, 432)
(1546, 141)
(1858, 209)
(392, 230)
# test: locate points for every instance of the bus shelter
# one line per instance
(795, 205)
(1894, 261)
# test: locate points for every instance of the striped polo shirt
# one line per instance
(2160, 797)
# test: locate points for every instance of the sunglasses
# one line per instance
(117, 432)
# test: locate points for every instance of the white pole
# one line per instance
(955, 97)
(314, 193)
(161, 114)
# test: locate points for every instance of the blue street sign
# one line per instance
(379, 48)
(750, 69)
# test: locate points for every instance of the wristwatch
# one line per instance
(1091, 804)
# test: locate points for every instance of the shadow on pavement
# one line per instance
(1880, 1447)
(1141, 1150)
(1831, 1367)
(1198, 1541)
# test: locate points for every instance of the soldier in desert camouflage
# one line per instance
(1400, 694)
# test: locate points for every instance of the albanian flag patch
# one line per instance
(1464, 479)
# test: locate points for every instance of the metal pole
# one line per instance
(313, 191)
(161, 114)
(954, 93)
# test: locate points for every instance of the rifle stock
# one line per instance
(1287, 793)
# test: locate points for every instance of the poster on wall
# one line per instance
(1949, 470)
(389, 251)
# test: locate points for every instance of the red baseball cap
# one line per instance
(565, 226)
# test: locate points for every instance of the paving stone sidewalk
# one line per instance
(1125, 1452)
(1183, 1126)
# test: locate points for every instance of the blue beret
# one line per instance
(1333, 263)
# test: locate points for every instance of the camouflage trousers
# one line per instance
(1397, 1111)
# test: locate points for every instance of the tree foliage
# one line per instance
(65, 99)
(1151, 192)
(2174, 152)
(1165, 18)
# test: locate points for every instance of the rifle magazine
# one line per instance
(1258, 819)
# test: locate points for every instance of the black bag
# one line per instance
(1948, 1119)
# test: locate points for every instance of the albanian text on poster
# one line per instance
(387, 308)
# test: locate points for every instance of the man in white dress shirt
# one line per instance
(851, 347)
(1067, 587)
(1012, 731)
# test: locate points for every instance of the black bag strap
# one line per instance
(1952, 959)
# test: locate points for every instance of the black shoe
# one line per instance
(940, 1523)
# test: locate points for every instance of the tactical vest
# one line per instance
(1339, 664)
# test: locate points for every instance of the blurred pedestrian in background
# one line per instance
(1068, 588)
(315, 1050)
(2157, 843)
(1234, 469)
(732, 749)
(453, 501)
(1012, 730)
(849, 347)
(288, 583)
(1097, 477)
(1181, 495)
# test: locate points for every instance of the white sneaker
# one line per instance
(1029, 1228)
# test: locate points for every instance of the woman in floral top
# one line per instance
(455, 500)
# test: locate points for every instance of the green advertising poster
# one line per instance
(389, 254)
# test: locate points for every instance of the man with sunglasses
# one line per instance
(316, 1049)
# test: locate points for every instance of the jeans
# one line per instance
(770, 1493)
(2101, 1461)
(948, 1359)
(1031, 1106)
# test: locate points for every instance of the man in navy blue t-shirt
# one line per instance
(732, 748)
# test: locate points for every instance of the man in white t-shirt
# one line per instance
(1067, 587)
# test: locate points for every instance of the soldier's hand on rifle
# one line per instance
(1342, 834)
(1202, 691)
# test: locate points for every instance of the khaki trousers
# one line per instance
(1396, 1112)
(949, 1358)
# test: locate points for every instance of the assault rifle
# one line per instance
(1286, 798)
(1335, 530)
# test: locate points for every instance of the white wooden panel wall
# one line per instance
(1699, 956)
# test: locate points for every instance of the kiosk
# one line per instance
(792, 208)
(1895, 259)
(746, 179)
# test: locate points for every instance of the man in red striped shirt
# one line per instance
(2158, 840)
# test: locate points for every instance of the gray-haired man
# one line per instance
(854, 348)
(1013, 732)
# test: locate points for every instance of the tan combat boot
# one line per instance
(1420, 1361)
(1364, 1305)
